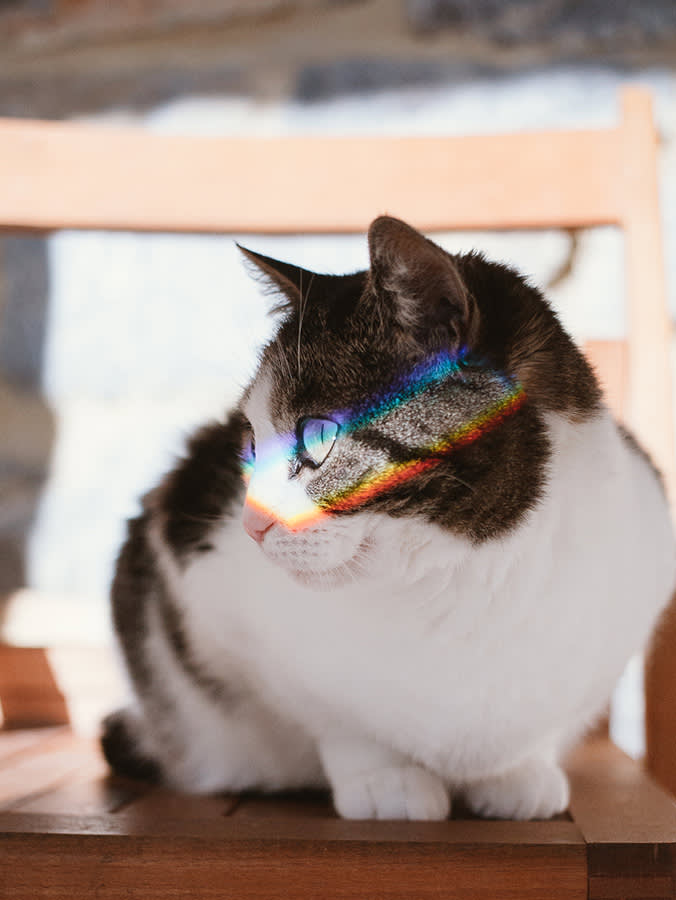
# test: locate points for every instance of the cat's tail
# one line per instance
(122, 751)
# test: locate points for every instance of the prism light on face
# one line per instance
(273, 491)
(268, 476)
(395, 474)
(427, 374)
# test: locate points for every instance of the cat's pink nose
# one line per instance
(257, 522)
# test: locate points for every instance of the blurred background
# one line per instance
(113, 346)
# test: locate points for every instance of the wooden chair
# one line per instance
(66, 828)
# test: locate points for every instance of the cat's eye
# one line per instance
(249, 449)
(316, 438)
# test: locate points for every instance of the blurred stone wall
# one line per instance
(64, 57)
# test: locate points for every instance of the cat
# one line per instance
(410, 565)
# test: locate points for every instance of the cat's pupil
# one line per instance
(316, 439)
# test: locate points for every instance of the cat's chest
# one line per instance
(411, 663)
(399, 641)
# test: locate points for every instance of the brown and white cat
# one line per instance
(412, 563)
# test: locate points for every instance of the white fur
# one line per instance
(431, 664)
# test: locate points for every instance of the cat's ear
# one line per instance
(421, 282)
(292, 281)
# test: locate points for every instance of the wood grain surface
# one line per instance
(81, 833)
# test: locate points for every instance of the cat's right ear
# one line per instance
(291, 281)
(421, 285)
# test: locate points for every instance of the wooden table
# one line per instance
(69, 830)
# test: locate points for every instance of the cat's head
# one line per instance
(411, 391)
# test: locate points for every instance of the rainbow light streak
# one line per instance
(397, 473)
(424, 376)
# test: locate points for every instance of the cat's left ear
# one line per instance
(430, 299)
(292, 281)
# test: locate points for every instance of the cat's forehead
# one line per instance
(277, 398)
(318, 375)
(271, 402)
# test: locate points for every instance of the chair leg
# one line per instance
(29, 694)
(660, 694)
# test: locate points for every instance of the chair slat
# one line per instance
(649, 396)
(56, 175)
(609, 360)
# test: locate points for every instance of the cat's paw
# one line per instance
(123, 748)
(406, 792)
(535, 790)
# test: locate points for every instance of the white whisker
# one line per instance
(301, 313)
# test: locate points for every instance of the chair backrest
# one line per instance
(55, 175)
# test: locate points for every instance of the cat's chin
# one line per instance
(354, 569)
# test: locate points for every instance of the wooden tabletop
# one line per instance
(68, 829)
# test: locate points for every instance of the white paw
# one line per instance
(535, 790)
(408, 792)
